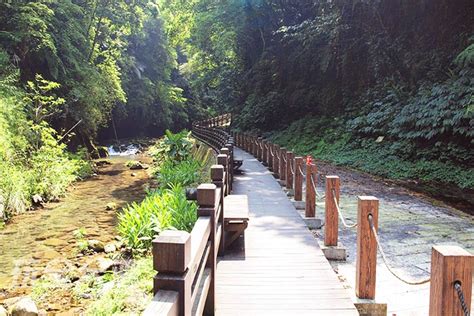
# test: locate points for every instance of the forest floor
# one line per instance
(410, 223)
(40, 251)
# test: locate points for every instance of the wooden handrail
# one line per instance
(186, 262)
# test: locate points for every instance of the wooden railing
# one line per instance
(451, 266)
(186, 262)
(218, 121)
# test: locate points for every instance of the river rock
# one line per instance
(24, 307)
(47, 254)
(105, 264)
(54, 242)
(2, 211)
(95, 245)
(110, 247)
(74, 275)
(102, 151)
(101, 163)
(111, 206)
(3, 311)
(37, 199)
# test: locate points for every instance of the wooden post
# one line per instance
(450, 264)
(264, 152)
(289, 164)
(207, 201)
(171, 257)
(217, 177)
(230, 147)
(259, 149)
(366, 262)
(298, 179)
(310, 205)
(223, 160)
(282, 164)
(332, 220)
(271, 153)
(254, 146)
(276, 168)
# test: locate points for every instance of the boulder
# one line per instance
(24, 307)
(3, 311)
(95, 245)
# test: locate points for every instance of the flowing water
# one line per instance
(41, 242)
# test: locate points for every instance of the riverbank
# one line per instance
(44, 249)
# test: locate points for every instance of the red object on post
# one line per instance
(309, 160)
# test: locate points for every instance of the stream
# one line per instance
(41, 243)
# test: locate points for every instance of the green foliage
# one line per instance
(32, 159)
(386, 158)
(180, 164)
(174, 148)
(185, 173)
(164, 209)
(79, 233)
(129, 295)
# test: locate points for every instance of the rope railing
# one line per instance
(319, 196)
(462, 301)
(385, 261)
(301, 171)
(442, 301)
(340, 213)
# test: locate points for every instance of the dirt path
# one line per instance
(40, 245)
(409, 225)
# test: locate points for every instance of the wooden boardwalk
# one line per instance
(282, 271)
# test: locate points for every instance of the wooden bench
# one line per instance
(237, 164)
(236, 217)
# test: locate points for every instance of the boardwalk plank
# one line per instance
(282, 271)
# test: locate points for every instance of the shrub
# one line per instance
(172, 147)
(32, 159)
(184, 173)
(164, 209)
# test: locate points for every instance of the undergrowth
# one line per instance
(395, 159)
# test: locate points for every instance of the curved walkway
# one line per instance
(282, 270)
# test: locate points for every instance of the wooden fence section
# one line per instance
(451, 266)
(186, 262)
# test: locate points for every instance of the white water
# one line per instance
(123, 150)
